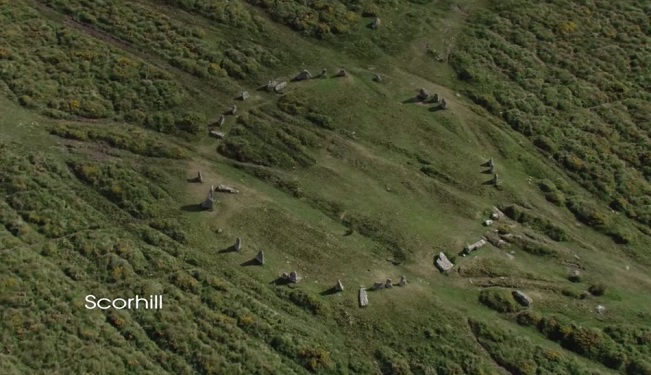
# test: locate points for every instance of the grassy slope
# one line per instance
(365, 176)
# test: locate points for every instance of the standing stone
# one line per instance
(244, 96)
(324, 73)
(435, 99)
(496, 180)
(377, 22)
(260, 257)
(491, 163)
(233, 109)
(423, 94)
(221, 121)
(339, 287)
(341, 73)
(279, 87)
(377, 78)
(199, 177)
(238, 244)
(304, 75)
(209, 202)
(363, 297)
(293, 277)
(444, 104)
(388, 284)
(403, 280)
(491, 169)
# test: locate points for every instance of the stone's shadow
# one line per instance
(436, 108)
(487, 171)
(280, 281)
(489, 182)
(230, 249)
(349, 232)
(329, 291)
(486, 164)
(194, 180)
(413, 100)
(192, 208)
(252, 262)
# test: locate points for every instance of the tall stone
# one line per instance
(324, 73)
(244, 95)
(303, 75)
(199, 177)
(260, 257)
(423, 94)
(209, 202)
(341, 73)
(403, 280)
(388, 284)
(435, 99)
(377, 22)
(233, 109)
(339, 287)
(444, 104)
(377, 78)
(496, 180)
(293, 277)
(238, 244)
(363, 297)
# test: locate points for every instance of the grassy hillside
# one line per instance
(105, 112)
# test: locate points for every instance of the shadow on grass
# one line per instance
(489, 182)
(349, 232)
(280, 281)
(329, 292)
(436, 108)
(413, 100)
(487, 171)
(192, 208)
(230, 249)
(194, 180)
(486, 164)
(252, 262)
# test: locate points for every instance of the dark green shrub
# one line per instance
(598, 289)
(499, 300)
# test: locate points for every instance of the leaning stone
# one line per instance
(302, 76)
(227, 189)
(244, 96)
(341, 73)
(363, 297)
(444, 104)
(377, 286)
(491, 163)
(279, 87)
(199, 176)
(216, 134)
(238, 244)
(260, 257)
(443, 263)
(377, 78)
(403, 280)
(233, 110)
(221, 121)
(436, 98)
(423, 94)
(339, 287)
(522, 298)
(377, 22)
(388, 284)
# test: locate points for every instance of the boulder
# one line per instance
(237, 246)
(260, 257)
(216, 134)
(363, 297)
(403, 280)
(339, 287)
(279, 87)
(521, 298)
(443, 263)
(221, 121)
(423, 94)
(227, 189)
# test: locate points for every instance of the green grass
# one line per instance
(339, 178)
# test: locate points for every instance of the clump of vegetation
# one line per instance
(523, 216)
(499, 300)
(307, 301)
(598, 289)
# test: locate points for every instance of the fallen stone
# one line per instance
(216, 134)
(403, 280)
(522, 298)
(474, 246)
(271, 85)
(443, 263)
(423, 94)
(363, 297)
(227, 189)
(377, 22)
(279, 87)
(339, 287)
(238, 244)
(260, 257)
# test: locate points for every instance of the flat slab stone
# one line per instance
(443, 263)
(522, 298)
(216, 134)
(279, 87)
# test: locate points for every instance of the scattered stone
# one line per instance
(522, 298)
(436, 98)
(233, 110)
(388, 284)
(227, 189)
(339, 287)
(279, 87)
(216, 134)
(444, 104)
(403, 280)
(199, 177)
(302, 76)
(260, 257)
(377, 78)
(443, 263)
(488, 223)
(363, 297)
(244, 96)
(341, 73)
(377, 286)
(377, 22)
(423, 94)
(601, 309)
(238, 244)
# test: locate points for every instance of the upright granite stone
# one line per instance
(233, 110)
(435, 99)
(260, 257)
(444, 104)
(293, 277)
(443, 263)
(245, 95)
(496, 180)
(341, 73)
(199, 177)
(423, 94)
(403, 280)
(209, 202)
(377, 22)
(377, 286)
(237, 246)
(221, 121)
(377, 78)
(324, 73)
(363, 297)
(388, 284)
(303, 75)
(339, 287)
